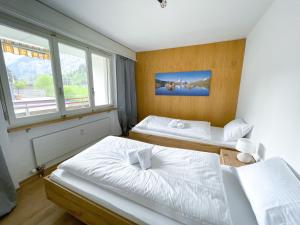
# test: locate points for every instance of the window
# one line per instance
(29, 72)
(74, 77)
(45, 77)
(101, 79)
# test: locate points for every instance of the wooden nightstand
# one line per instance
(228, 157)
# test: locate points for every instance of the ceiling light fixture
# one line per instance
(163, 3)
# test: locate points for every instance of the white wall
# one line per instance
(270, 87)
(34, 12)
(17, 146)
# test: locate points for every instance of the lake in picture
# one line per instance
(193, 83)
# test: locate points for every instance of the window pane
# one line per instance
(74, 76)
(101, 79)
(28, 63)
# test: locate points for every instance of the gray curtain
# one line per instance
(2, 100)
(126, 93)
(7, 189)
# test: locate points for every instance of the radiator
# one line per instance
(58, 144)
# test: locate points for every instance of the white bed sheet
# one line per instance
(216, 137)
(241, 212)
(240, 208)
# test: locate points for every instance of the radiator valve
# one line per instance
(40, 170)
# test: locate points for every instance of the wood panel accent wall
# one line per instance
(224, 59)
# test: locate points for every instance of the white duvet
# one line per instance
(182, 184)
(192, 129)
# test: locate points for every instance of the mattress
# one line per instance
(216, 136)
(182, 184)
(240, 209)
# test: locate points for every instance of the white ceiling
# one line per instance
(142, 25)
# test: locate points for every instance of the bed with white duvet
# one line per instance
(182, 186)
(192, 130)
(240, 209)
(188, 128)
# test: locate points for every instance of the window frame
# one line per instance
(13, 120)
(110, 77)
(66, 112)
(54, 40)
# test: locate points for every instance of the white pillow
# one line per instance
(273, 191)
(236, 129)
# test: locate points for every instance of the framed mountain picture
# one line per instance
(193, 83)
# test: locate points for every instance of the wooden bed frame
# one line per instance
(175, 143)
(92, 213)
(82, 208)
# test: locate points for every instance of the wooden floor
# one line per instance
(34, 209)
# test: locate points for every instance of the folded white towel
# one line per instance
(144, 157)
(131, 156)
(176, 124)
(173, 123)
(180, 125)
